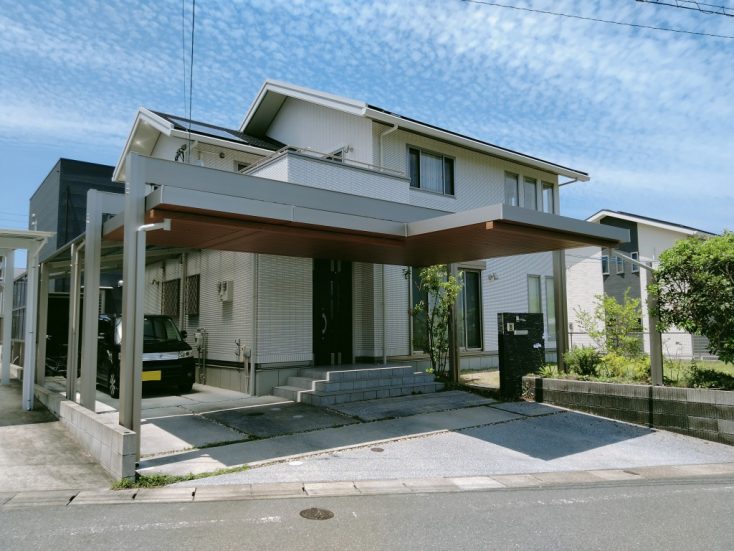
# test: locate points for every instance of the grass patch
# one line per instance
(158, 480)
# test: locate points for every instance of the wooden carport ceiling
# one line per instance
(201, 229)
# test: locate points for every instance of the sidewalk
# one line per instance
(36, 452)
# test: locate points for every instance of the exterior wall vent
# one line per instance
(225, 290)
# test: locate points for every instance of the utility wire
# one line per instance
(709, 9)
(191, 69)
(598, 20)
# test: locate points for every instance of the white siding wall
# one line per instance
(653, 241)
(478, 179)
(285, 308)
(305, 125)
(364, 283)
(584, 281)
(509, 292)
(398, 295)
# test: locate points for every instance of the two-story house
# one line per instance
(592, 272)
(408, 193)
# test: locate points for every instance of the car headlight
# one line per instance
(185, 354)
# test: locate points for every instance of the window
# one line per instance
(530, 193)
(512, 193)
(192, 295)
(169, 297)
(605, 265)
(635, 268)
(430, 171)
(534, 305)
(550, 307)
(620, 264)
(548, 203)
(470, 316)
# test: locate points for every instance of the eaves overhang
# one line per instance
(212, 209)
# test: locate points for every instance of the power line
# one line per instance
(709, 9)
(598, 20)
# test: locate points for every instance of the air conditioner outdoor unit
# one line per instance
(225, 289)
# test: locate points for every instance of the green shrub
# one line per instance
(616, 366)
(583, 360)
(549, 371)
(697, 377)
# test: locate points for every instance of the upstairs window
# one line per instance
(635, 269)
(512, 193)
(620, 264)
(430, 171)
(548, 201)
(530, 193)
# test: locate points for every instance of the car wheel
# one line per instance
(113, 384)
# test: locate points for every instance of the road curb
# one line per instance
(279, 490)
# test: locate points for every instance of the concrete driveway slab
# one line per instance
(283, 418)
(37, 453)
(531, 409)
(170, 434)
(372, 410)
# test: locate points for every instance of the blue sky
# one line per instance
(649, 114)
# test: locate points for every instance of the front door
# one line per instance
(332, 312)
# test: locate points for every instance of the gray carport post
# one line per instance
(8, 271)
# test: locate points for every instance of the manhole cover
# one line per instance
(378, 450)
(314, 513)
(255, 414)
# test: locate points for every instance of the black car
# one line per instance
(167, 358)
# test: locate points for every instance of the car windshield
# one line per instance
(154, 330)
(160, 330)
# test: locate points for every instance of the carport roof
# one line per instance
(22, 239)
(212, 209)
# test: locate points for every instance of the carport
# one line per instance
(10, 241)
(169, 204)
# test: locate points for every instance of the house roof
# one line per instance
(655, 222)
(200, 128)
(149, 125)
(273, 94)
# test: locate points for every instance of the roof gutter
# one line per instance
(495, 151)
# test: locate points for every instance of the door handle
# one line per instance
(326, 324)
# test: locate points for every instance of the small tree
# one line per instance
(694, 287)
(441, 292)
(614, 326)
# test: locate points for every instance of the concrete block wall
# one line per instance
(698, 412)
(111, 445)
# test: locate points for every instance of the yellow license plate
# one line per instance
(151, 375)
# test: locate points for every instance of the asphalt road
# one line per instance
(668, 515)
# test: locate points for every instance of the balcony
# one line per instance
(320, 170)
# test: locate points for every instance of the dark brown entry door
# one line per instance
(332, 312)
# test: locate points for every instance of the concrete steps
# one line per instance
(326, 386)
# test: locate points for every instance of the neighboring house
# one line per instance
(592, 271)
(447, 171)
(59, 206)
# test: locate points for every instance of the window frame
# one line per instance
(480, 309)
(635, 269)
(516, 190)
(550, 187)
(538, 278)
(550, 292)
(526, 182)
(620, 264)
(605, 264)
(444, 158)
